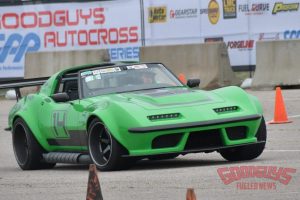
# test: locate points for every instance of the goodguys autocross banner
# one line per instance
(73, 26)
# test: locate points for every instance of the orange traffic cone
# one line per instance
(280, 115)
(93, 190)
(182, 78)
(190, 194)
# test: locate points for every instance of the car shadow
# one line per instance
(180, 162)
(183, 163)
(174, 163)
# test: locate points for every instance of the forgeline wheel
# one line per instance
(27, 151)
(105, 151)
(248, 152)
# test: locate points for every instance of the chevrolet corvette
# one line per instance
(114, 114)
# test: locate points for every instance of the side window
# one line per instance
(70, 87)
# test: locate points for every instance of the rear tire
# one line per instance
(106, 153)
(248, 152)
(27, 150)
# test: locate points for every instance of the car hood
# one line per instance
(163, 97)
(171, 97)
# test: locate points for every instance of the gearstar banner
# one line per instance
(172, 22)
(73, 26)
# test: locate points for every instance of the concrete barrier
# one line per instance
(277, 64)
(209, 62)
(43, 64)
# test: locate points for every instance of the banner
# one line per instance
(240, 24)
(73, 26)
(241, 49)
(120, 25)
(172, 22)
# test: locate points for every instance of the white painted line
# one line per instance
(294, 116)
(282, 150)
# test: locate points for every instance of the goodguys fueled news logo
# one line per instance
(282, 175)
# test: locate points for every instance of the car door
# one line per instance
(62, 123)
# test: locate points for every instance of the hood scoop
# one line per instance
(164, 92)
(168, 97)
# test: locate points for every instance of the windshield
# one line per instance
(106, 80)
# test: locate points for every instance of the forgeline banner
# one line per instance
(73, 26)
(120, 25)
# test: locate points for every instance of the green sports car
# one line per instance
(113, 114)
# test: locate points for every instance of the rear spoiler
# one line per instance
(17, 84)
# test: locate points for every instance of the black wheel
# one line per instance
(163, 157)
(27, 151)
(248, 152)
(104, 150)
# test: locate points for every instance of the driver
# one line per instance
(147, 77)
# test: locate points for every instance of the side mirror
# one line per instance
(193, 83)
(60, 97)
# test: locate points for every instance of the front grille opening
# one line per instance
(204, 139)
(164, 141)
(237, 133)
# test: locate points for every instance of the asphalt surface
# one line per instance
(163, 179)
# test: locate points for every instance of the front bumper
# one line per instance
(202, 136)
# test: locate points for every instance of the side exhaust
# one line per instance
(64, 157)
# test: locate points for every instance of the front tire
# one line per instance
(248, 152)
(27, 150)
(105, 151)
